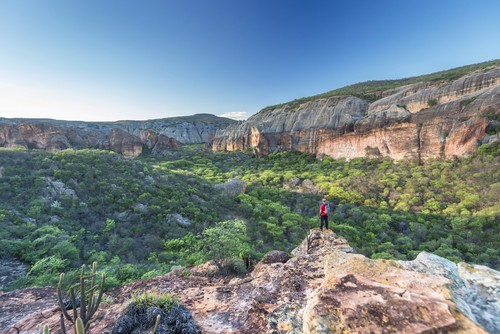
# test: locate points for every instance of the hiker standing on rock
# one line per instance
(323, 214)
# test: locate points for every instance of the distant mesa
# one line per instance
(130, 138)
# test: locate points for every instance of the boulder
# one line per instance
(232, 187)
(178, 219)
(475, 288)
(275, 257)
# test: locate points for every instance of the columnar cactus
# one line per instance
(79, 328)
(157, 323)
(89, 299)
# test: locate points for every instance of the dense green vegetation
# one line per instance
(369, 90)
(60, 210)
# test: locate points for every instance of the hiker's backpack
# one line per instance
(328, 207)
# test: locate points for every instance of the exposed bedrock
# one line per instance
(421, 121)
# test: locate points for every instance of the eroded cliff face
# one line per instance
(130, 138)
(125, 143)
(323, 288)
(183, 131)
(426, 120)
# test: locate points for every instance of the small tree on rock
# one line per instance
(225, 241)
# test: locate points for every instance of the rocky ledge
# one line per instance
(322, 288)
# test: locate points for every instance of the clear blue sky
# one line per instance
(105, 60)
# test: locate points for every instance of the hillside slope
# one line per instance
(440, 116)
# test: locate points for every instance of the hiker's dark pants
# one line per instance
(324, 219)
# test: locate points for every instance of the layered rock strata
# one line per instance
(418, 121)
(51, 138)
(130, 138)
(196, 129)
(323, 288)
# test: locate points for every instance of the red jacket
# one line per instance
(322, 209)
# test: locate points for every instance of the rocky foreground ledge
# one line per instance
(323, 288)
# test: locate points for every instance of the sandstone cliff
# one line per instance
(431, 119)
(323, 288)
(130, 138)
(194, 129)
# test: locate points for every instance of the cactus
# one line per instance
(79, 328)
(46, 329)
(90, 298)
(157, 322)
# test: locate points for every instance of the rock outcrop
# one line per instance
(10, 270)
(158, 144)
(194, 129)
(130, 138)
(125, 143)
(322, 288)
(20, 306)
(472, 287)
(232, 187)
(417, 121)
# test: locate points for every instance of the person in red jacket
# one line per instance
(323, 214)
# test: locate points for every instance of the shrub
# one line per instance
(8, 248)
(432, 102)
(49, 265)
(162, 312)
(234, 265)
(226, 240)
(467, 101)
(146, 300)
(383, 255)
